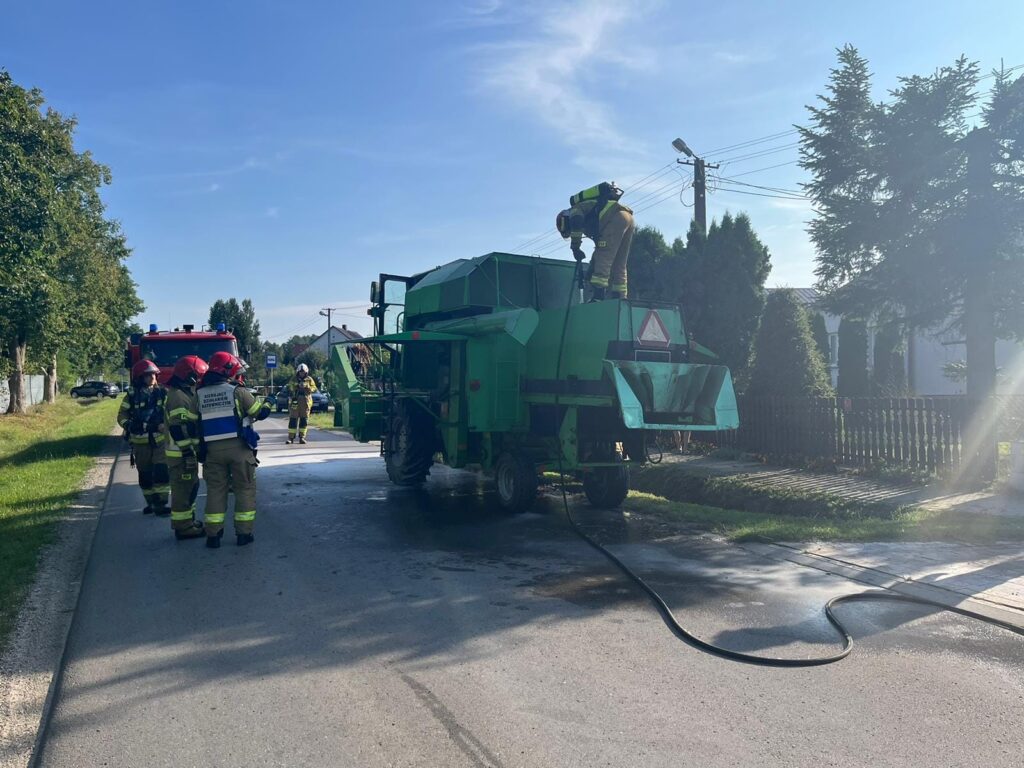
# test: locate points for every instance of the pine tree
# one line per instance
(786, 360)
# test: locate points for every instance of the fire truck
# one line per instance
(165, 347)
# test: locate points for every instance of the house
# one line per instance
(928, 353)
(329, 338)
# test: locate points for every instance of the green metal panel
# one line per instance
(674, 395)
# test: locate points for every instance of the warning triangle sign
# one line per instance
(653, 331)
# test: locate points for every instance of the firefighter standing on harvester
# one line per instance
(141, 416)
(597, 213)
(181, 414)
(228, 441)
(300, 403)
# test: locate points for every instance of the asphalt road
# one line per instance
(376, 626)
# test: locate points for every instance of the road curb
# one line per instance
(32, 666)
(892, 582)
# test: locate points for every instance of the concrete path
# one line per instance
(376, 626)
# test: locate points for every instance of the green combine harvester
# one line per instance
(494, 363)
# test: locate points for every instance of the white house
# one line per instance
(329, 338)
(927, 354)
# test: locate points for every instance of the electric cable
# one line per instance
(670, 618)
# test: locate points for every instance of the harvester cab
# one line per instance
(495, 363)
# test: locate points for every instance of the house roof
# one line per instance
(335, 331)
(808, 296)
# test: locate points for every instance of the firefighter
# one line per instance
(597, 213)
(227, 411)
(181, 415)
(300, 403)
(141, 416)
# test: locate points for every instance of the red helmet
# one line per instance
(190, 368)
(226, 364)
(144, 367)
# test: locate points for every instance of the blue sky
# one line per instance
(289, 152)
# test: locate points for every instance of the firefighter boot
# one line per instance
(193, 532)
(302, 441)
(147, 510)
(242, 539)
(213, 542)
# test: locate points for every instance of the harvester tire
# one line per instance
(516, 478)
(410, 445)
(606, 487)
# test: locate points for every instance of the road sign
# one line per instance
(271, 361)
(653, 331)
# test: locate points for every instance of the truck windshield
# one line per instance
(166, 352)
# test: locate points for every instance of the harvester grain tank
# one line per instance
(495, 363)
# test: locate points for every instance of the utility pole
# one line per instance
(326, 312)
(700, 209)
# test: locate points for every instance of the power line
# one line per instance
(752, 142)
(781, 190)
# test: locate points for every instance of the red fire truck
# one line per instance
(165, 347)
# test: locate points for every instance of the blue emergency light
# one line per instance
(152, 327)
(221, 327)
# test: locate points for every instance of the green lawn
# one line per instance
(739, 511)
(43, 455)
(322, 420)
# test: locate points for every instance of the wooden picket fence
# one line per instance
(922, 433)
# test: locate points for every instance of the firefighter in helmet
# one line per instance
(300, 403)
(181, 414)
(228, 441)
(597, 213)
(141, 416)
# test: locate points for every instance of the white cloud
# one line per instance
(555, 73)
(272, 212)
(213, 187)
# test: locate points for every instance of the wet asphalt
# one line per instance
(377, 626)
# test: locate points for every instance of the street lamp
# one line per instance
(700, 211)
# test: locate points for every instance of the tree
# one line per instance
(723, 288)
(650, 259)
(820, 333)
(853, 358)
(889, 374)
(919, 213)
(786, 360)
(65, 285)
(241, 321)
(315, 359)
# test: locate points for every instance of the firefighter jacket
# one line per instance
(589, 210)
(228, 410)
(141, 415)
(300, 392)
(181, 414)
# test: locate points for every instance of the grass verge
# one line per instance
(741, 511)
(323, 421)
(44, 455)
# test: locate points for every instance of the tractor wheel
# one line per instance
(606, 487)
(516, 479)
(410, 445)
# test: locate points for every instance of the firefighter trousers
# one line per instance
(611, 252)
(229, 466)
(184, 489)
(297, 423)
(151, 464)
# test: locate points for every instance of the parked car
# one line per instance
(95, 389)
(320, 401)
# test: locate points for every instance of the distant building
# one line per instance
(927, 355)
(330, 338)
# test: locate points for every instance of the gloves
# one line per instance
(577, 253)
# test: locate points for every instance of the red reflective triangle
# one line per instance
(653, 331)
